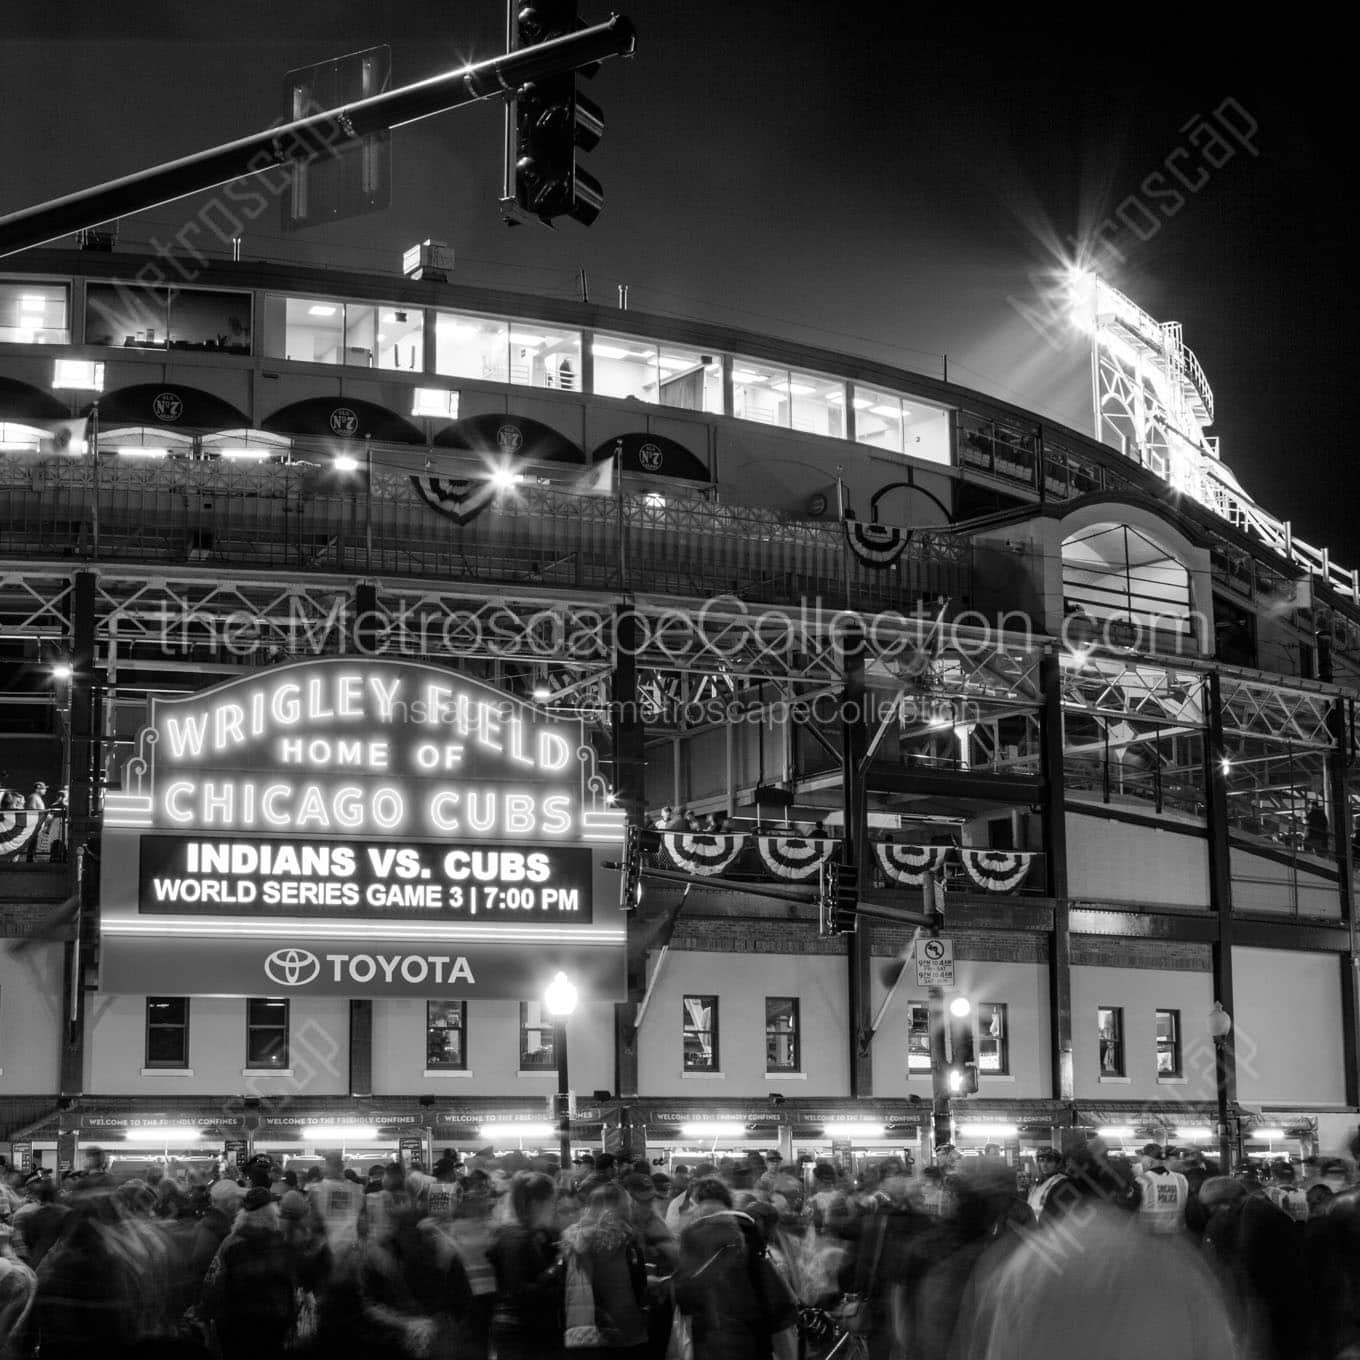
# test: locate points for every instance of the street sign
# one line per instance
(935, 963)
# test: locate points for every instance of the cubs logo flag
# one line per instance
(795, 857)
(996, 870)
(705, 856)
(875, 545)
(910, 863)
(461, 499)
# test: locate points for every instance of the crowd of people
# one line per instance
(1082, 1254)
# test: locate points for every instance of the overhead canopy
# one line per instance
(168, 405)
(511, 437)
(19, 401)
(654, 455)
(341, 418)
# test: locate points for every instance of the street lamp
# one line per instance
(560, 1001)
(1219, 1024)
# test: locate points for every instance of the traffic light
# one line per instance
(962, 1072)
(552, 120)
(630, 871)
(838, 899)
(932, 900)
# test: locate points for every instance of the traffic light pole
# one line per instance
(942, 1130)
(307, 139)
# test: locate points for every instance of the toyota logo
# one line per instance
(292, 967)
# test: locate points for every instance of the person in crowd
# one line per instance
(37, 1222)
(734, 1301)
(249, 1295)
(87, 1295)
(640, 1205)
(338, 1204)
(1318, 829)
(527, 1319)
(1162, 1194)
(1087, 1286)
(18, 1289)
(605, 1280)
(1049, 1196)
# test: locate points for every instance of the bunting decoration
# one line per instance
(875, 545)
(795, 857)
(910, 863)
(996, 870)
(460, 499)
(701, 854)
(16, 826)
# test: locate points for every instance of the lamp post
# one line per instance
(1220, 1024)
(560, 1001)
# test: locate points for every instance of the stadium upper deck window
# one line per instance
(521, 352)
(628, 367)
(797, 401)
(359, 334)
(34, 313)
(133, 317)
(885, 420)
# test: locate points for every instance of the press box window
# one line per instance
(34, 314)
(993, 1039)
(167, 1031)
(701, 1033)
(267, 1033)
(1110, 1022)
(1168, 1043)
(653, 372)
(781, 1034)
(446, 1036)
(918, 1037)
(535, 1038)
(357, 334)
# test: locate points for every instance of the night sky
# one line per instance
(818, 171)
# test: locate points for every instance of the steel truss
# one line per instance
(685, 651)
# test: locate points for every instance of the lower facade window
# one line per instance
(781, 1034)
(918, 1037)
(701, 1033)
(446, 1036)
(1168, 1043)
(993, 1039)
(267, 1032)
(535, 1038)
(167, 1031)
(1110, 1022)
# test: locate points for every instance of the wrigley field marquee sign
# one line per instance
(374, 828)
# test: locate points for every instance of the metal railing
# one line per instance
(303, 518)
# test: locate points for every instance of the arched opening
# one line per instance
(1114, 572)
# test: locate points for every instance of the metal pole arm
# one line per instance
(322, 134)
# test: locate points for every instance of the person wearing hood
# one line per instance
(250, 1292)
(606, 1281)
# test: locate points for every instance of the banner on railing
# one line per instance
(705, 856)
(795, 857)
(910, 863)
(461, 499)
(875, 545)
(16, 827)
(996, 870)
(993, 870)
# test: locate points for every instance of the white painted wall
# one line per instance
(1141, 992)
(1022, 987)
(30, 1020)
(1287, 1027)
(318, 1049)
(493, 1052)
(741, 983)
(1109, 860)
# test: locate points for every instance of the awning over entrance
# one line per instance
(168, 406)
(653, 455)
(510, 436)
(342, 418)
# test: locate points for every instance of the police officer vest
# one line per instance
(1163, 1196)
